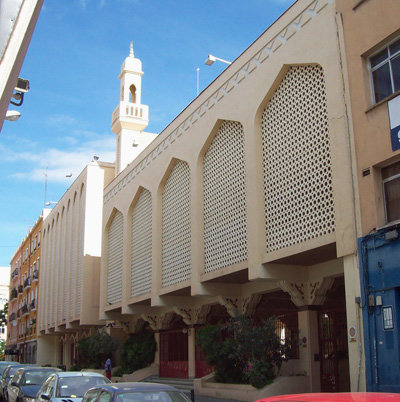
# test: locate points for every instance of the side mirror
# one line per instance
(46, 397)
(14, 384)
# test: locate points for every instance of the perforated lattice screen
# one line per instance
(141, 251)
(176, 226)
(114, 269)
(225, 232)
(296, 158)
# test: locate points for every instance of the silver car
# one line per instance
(69, 385)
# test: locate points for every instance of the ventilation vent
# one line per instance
(141, 252)
(115, 249)
(296, 158)
(225, 231)
(176, 226)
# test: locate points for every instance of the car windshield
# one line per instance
(37, 377)
(75, 387)
(160, 396)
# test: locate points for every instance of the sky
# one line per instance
(73, 63)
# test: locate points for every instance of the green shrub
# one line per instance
(243, 352)
(119, 372)
(138, 351)
(96, 349)
(261, 374)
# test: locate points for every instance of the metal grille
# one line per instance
(176, 226)
(296, 159)
(115, 249)
(225, 230)
(141, 252)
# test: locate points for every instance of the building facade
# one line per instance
(22, 309)
(373, 68)
(244, 205)
(4, 296)
(70, 264)
(18, 20)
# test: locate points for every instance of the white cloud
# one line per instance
(83, 3)
(59, 162)
(60, 119)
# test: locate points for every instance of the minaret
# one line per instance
(130, 117)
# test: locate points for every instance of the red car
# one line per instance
(340, 397)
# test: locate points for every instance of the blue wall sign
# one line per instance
(394, 117)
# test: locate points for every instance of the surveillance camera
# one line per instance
(95, 157)
(22, 85)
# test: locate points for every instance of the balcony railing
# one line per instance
(35, 275)
(13, 293)
(27, 282)
(24, 309)
(132, 112)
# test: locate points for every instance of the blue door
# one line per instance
(385, 341)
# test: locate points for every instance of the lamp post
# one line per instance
(211, 59)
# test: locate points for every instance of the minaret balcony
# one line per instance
(131, 116)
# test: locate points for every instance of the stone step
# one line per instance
(183, 384)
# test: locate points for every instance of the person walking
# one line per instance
(107, 368)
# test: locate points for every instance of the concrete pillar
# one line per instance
(47, 350)
(157, 354)
(354, 320)
(191, 353)
(309, 347)
(67, 354)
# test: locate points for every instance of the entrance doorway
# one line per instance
(334, 355)
(174, 354)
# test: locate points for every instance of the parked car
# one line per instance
(70, 385)
(135, 391)
(339, 397)
(8, 373)
(26, 383)
(4, 364)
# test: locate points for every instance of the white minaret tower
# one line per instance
(130, 117)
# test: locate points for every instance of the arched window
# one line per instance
(132, 96)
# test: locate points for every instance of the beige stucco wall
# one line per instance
(71, 247)
(314, 43)
(307, 34)
(368, 25)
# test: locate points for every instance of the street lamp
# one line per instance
(210, 60)
(48, 203)
(12, 115)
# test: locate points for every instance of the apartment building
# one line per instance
(372, 47)
(244, 204)
(22, 309)
(4, 296)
